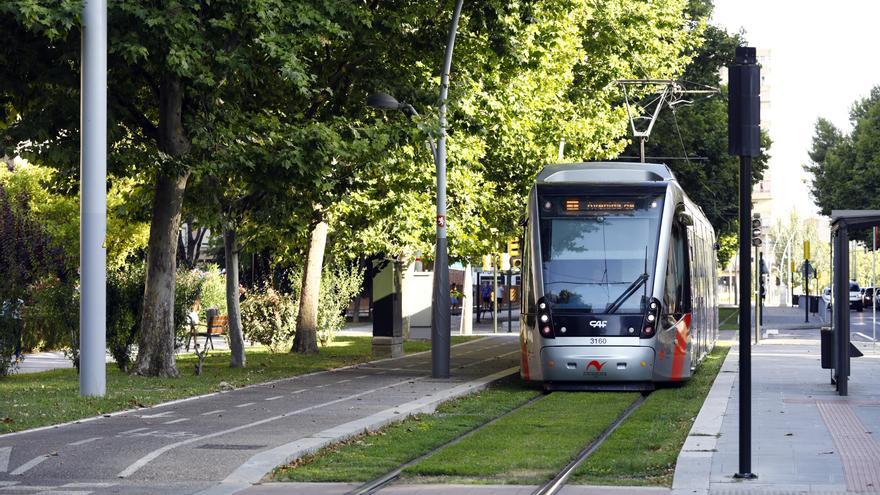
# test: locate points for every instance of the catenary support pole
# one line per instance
(440, 321)
(874, 283)
(93, 200)
(494, 294)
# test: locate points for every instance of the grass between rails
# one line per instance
(51, 397)
(644, 449)
(371, 455)
(528, 446)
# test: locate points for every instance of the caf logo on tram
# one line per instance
(619, 269)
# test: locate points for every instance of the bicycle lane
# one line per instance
(193, 445)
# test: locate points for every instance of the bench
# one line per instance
(216, 325)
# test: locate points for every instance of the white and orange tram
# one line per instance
(619, 281)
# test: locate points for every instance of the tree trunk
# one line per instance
(236, 337)
(306, 340)
(156, 341)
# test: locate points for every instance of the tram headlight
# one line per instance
(545, 318)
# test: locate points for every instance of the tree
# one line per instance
(845, 168)
(168, 64)
(697, 133)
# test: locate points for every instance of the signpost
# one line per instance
(807, 281)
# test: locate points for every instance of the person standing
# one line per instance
(486, 297)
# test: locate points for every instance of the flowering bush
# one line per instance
(268, 317)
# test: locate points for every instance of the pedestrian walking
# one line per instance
(486, 297)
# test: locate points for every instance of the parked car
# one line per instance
(868, 296)
(855, 296)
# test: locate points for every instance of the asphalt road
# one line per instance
(192, 446)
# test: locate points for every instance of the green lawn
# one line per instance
(644, 449)
(371, 455)
(727, 319)
(528, 446)
(52, 397)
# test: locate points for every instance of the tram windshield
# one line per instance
(599, 251)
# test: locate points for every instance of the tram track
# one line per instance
(556, 484)
(390, 477)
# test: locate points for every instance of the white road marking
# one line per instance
(865, 336)
(342, 381)
(246, 404)
(87, 440)
(321, 386)
(66, 492)
(361, 376)
(25, 488)
(143, 461)
(8, 483)
(298, 391)
(216, 411)
(28, 465)
(158, 415)
(5, 454)
(88, 485)
(173, 421)
(131, 431)
(274, 398)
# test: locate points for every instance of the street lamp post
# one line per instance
(440, 302)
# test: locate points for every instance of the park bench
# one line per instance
(215, 326)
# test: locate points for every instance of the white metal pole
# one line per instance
(874, 295)
(93, 200)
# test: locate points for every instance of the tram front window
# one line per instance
(599, 252)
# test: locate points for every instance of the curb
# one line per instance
(211, 394)
(255, 468)
(693, 468)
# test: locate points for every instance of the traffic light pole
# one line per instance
(744, 134)
(509, 300)
(807, 291)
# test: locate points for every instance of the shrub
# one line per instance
(125, 294)
(51, 317)
(268, 317)
(338, 287)
(213, 294)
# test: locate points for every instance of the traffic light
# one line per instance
(756, 230)
(763, 288)
(513, 248)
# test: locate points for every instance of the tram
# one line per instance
(619, 280)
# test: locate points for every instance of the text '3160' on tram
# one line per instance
(619, 281)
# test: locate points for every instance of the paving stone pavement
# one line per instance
(805, 438)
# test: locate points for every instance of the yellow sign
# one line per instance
(806, 250)
(505, 262)
(792, 266)
(487, 262)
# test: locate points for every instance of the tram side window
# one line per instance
(677, 277)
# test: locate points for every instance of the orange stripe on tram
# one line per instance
(680, 348)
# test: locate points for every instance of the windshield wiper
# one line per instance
(633, 287)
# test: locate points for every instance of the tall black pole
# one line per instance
(760, 291)
(440, 321)
(744, 133)
(745, 319)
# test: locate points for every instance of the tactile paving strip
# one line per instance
(859, 452)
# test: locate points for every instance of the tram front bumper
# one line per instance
(590, 363)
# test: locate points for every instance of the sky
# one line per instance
(824, 56)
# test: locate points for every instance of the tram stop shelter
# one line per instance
(837, 351)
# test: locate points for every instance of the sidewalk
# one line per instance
(805, 438)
